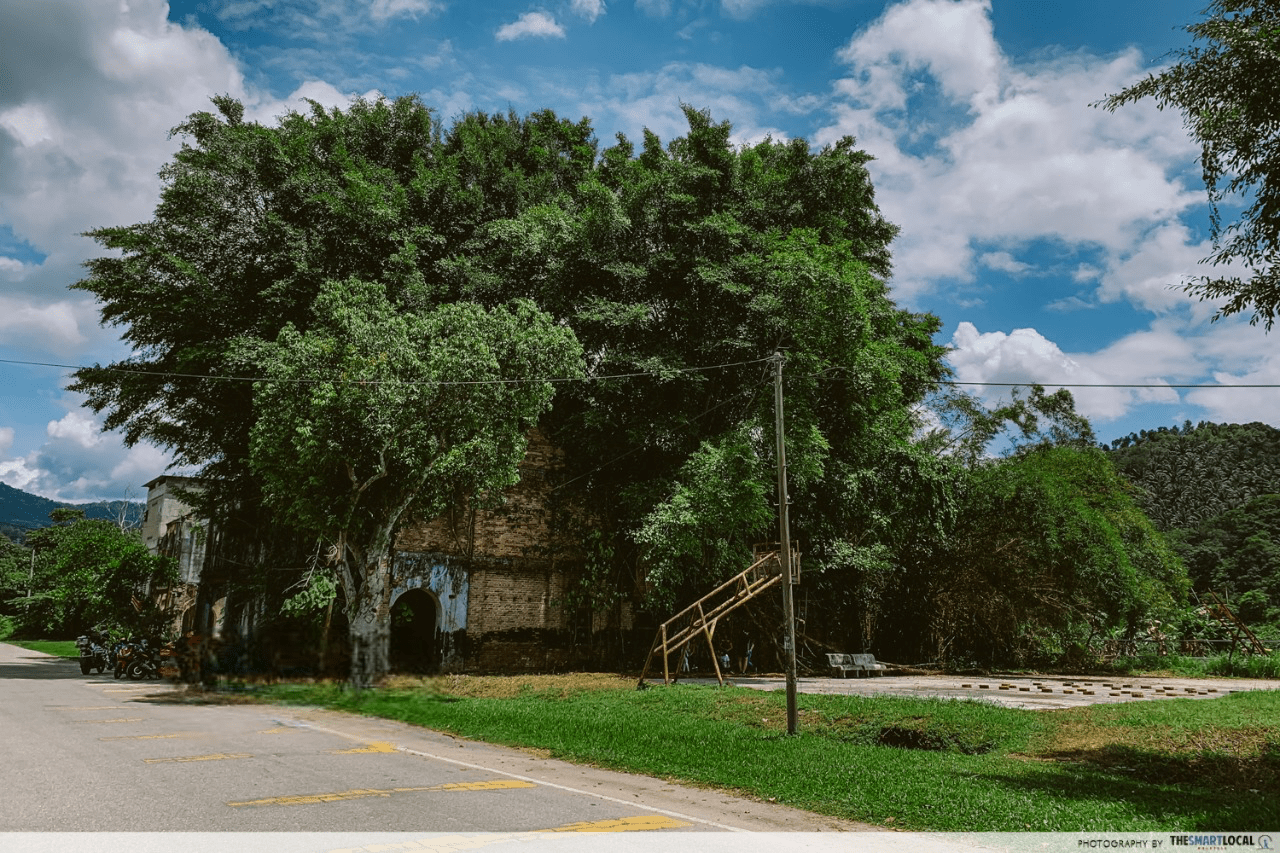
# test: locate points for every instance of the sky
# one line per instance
(1051, 237)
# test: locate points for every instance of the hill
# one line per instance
(1215, 490)
(21, 511)
(1188, 475)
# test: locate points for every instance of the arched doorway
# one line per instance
(414, 618)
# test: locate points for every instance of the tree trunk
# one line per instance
(370, 619)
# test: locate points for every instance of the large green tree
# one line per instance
(1049, 551)
(1227, 87)
(660, 259)
(376, 411)
(82, 572)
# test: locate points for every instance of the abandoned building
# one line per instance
(474, 590)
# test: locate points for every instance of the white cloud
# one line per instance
(12, 269)
(57, 327)
(1004, 262)
(321, 20)
(87, 99)
(1002, 152)
(267, 111)
(589, 9)
(1069, 303)
(631, 102)
(1152, 273)
(530, 25)
(28, 124)
(1025, 356)
(382, 10)
(1246, 404)
(78, 462)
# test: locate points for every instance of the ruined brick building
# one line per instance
(475, 589)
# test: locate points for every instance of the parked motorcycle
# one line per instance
(94, 654)
(123, 652)
(144, 661)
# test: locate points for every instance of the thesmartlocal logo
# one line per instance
(1259, 842)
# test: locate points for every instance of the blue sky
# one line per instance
(1049, 236)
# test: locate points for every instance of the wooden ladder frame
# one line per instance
(1221, 612)
(700, 618)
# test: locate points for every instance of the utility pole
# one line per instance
(784, 554)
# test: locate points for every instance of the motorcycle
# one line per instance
(143, 661)
(123, 652)
(93, 651)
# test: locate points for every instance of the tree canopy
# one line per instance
(659, 261)
(80, 572)
(309, 297)
(374, 413)
(1049, 551)
(1227, 87)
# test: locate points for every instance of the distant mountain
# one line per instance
(1215, 489)
(1188, 475)
(21, 511)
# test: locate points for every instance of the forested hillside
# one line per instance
(1188, 475)
(1215, 489)
(20, 511)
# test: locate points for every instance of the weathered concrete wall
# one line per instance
(448, 583)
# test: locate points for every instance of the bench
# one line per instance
(860, 664)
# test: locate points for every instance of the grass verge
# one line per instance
(924, 764)
(1224, 665)
(61, 648)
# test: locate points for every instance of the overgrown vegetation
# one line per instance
(1215, 490)
(80, 572)
(1227, 665)
(364, 259)
(1171, 765)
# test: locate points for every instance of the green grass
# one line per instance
(1238, 666)
(61, 648)
(1172, 765)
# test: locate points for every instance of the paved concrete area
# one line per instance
(1036, 692)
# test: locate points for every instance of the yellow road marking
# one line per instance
(361, 793)
(120, 720)
(639, 823)
(451, 844)
(149, 737)
(217, 756)
(376, 746)
(278, 730)
(83, 708)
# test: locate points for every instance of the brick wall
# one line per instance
(516, 557)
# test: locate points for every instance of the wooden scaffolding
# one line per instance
(1241, 636)
(700, 618)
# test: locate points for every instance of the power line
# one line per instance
(563, 379)
(831, 372)
(554, 379)
(1097, 385)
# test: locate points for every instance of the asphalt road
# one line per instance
(90, 753)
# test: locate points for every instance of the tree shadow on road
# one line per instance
(43, 667)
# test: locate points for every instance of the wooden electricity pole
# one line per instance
(784, 554)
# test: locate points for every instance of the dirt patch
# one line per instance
(508, 686)
(1243, 759)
